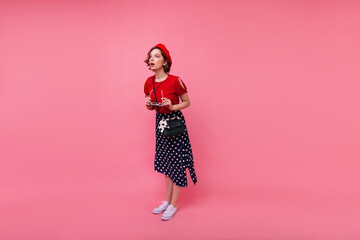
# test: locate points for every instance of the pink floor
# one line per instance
(108, 212)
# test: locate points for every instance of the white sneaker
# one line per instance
(169, 213)
(161, 208)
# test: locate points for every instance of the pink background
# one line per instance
(273, 122)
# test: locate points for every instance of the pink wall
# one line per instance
(274, 88)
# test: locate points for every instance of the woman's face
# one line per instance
(156, 60)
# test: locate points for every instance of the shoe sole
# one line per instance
(158, 212)
(155, 211)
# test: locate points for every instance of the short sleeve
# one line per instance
(146, 87)
(180, 90)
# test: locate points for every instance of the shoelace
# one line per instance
(169, 209)
(162, 205)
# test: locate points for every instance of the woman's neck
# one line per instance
(160, 74)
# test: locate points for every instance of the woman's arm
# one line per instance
(185, 102)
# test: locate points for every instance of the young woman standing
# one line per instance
(172, 154)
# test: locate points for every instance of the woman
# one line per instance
(173, 154)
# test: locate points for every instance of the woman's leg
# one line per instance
(169, 188)
(175, 194)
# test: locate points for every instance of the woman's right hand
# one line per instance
(147, 103)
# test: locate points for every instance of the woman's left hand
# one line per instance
(167, 102)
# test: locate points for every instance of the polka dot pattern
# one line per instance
(174, 154)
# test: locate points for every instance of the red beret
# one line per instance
(164, 49)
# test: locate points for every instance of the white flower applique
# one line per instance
(163, 124)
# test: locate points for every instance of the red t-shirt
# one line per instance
(169, 88)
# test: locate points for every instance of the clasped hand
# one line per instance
(165, 102)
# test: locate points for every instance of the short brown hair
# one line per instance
(166, 67)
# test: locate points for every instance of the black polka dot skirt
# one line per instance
(174, 154)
